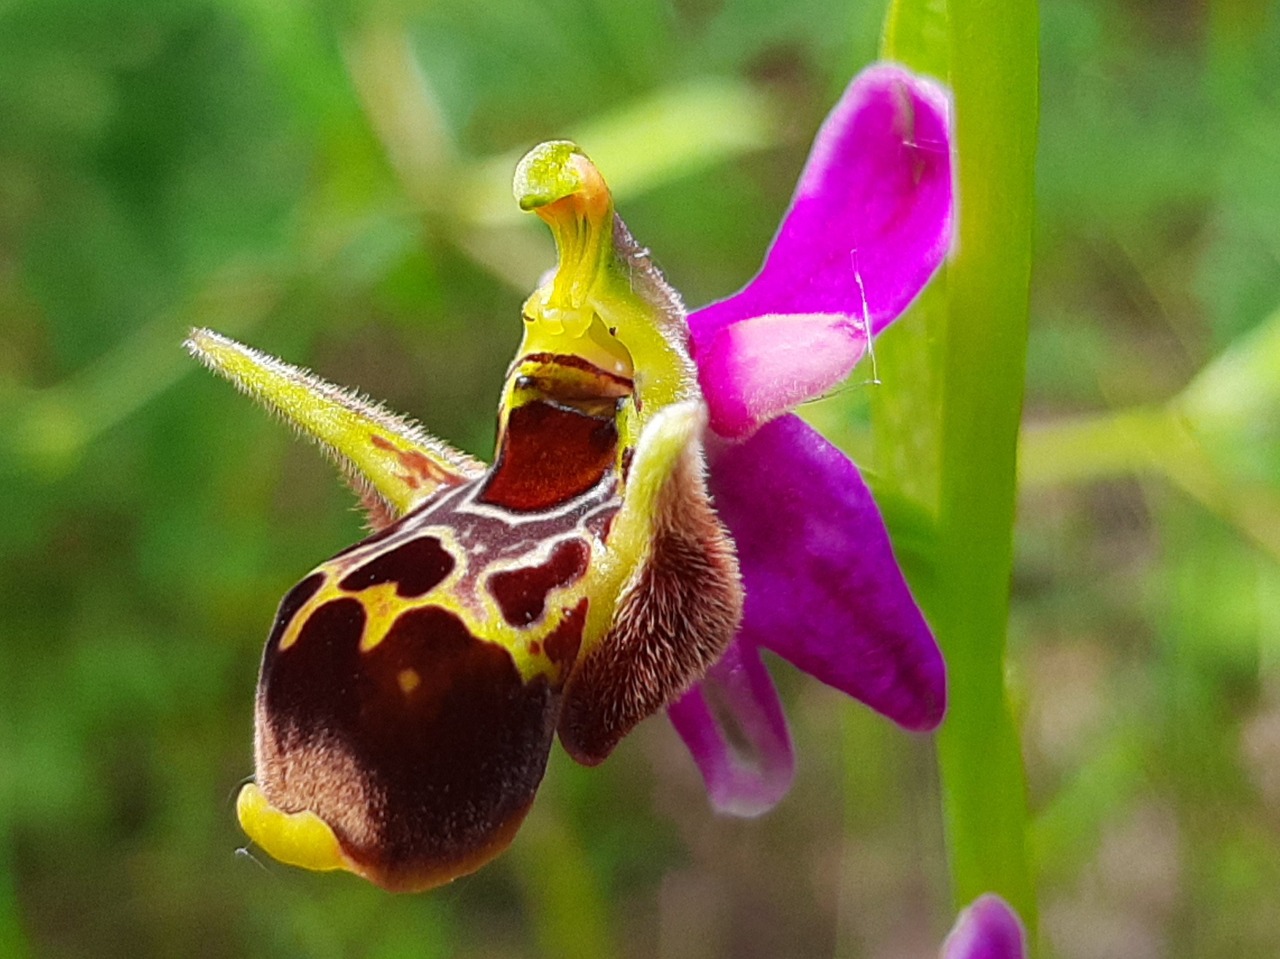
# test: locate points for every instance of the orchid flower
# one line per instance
(412, 684)
(870, 222)
(988, 929)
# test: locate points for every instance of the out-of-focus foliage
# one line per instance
(326, 182)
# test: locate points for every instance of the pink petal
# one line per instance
(871, 218)
(766, 365)
(733, 725)
(988, 929)
(822, 586)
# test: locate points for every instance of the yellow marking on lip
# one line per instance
(382, 607)
(328, 591)
(297, 839)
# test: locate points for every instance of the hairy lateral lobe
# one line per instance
(679, 603)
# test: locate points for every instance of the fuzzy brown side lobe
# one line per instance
(675, 618)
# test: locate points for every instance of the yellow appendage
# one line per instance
(296, 839)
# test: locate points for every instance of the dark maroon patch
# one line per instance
(522, 593)
(293, 601)
(549, 455)
(416, 567)
(563, 643)
(450, 742)
(339, 622)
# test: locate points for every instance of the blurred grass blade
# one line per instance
(1216, 440)
(46, 430)
(403, 109)
(1241, 386)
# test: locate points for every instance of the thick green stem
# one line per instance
(964, 345)
(993, 72)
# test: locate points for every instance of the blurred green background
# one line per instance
(329, 182)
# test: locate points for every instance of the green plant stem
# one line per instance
(964, 347)
(993, 67)
(12, 942)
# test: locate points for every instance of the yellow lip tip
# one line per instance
(296, 839)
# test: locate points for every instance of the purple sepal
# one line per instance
(733, 725)
(871, 218)
(823, 589)
(988, 929)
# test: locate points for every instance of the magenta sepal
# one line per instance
(735, 729)
(869, 224)
(988, 929)
(824, 591)
(823, 588)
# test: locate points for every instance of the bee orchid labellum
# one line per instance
(412, 684)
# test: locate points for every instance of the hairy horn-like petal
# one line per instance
(391, 462)
(733, 725)
(871, 218)
(988, 929)
(822, 586)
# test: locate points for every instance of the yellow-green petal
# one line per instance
(391, 461)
